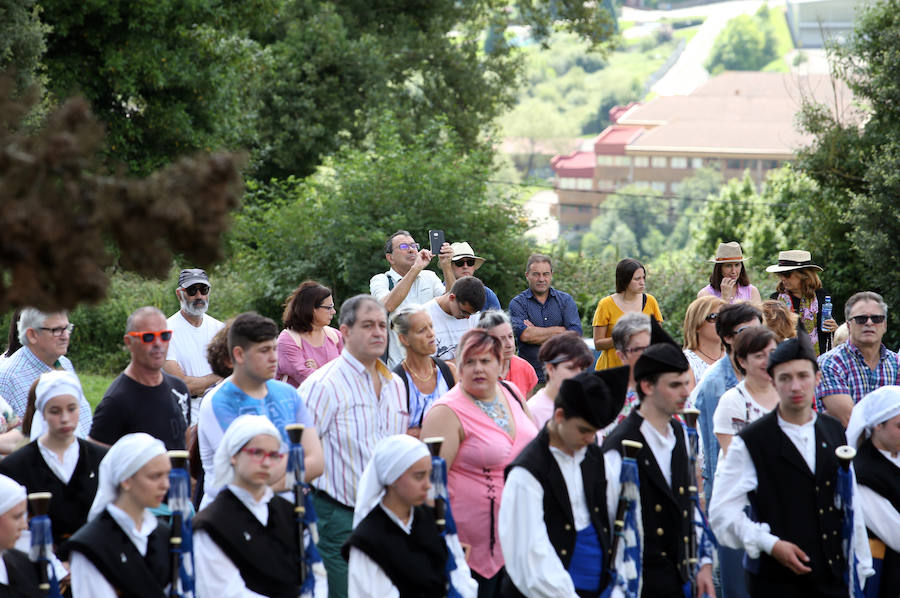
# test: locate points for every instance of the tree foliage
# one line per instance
(332, 227)
(747, 43)
(65, 218)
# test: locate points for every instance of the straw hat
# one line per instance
(464, 250)
(795, 259)
(728, 253)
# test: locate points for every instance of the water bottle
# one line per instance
(826, 312)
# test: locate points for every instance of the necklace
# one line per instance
(709, 357)
(417, 376)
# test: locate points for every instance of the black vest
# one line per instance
(23, 576)
(798, 506)
(71, 502)
(104, 543)
(415, 562)
(874, 471)
(665, 510)
(537, 459)
(267, 557)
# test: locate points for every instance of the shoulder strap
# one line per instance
(398, 369)
(296, 336)
(331, 334)
(445, 371)
(390, 282)
(514, 392)
(643, 301)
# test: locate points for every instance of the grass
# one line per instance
(95, 386)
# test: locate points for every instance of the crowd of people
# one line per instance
(433, 444)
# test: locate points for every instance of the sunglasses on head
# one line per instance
(712, 317)
(466, 261)
(192, 290)
(863, 318)
(148, 336)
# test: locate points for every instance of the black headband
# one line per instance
(795, 263)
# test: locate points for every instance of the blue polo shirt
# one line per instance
(558, 310)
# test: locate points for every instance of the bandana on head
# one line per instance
(241, 431)
(122, 461)
(392, 457)
(51, 385)
(877, 407)
(11, 493)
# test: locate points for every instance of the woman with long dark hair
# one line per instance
(800, 289)
(307, 341)
(729, 280)
(631, 277)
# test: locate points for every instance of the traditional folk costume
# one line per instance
(18, 575)
(245, 547)
(72, 480)
(878, 475)
(667, 510)
(110, 556)
(788, 474)
(568, 555)
(389, 557)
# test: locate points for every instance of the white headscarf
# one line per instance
(53, 384)
(876, 407)
(122, 461)
(392, 457)
(241, 431)
(11, 493)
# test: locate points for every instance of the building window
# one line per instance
(675, 187)
(658, 162)
(585, 184)
(678, 162)
(696, 162)
(603, 160)
(606, 185)
(751, 164)
(566, 183)
(770, 164)
(622, 161)
(641, 161)
(658, 186)
(733, 164)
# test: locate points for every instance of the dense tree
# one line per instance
(65, 218)
(633, 222)
(747, 43)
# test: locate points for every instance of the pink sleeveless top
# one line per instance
(475, 481)
(741, 294)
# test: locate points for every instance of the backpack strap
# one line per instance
(514, 392)
(400, 371)
(643, 301)
(445, 371)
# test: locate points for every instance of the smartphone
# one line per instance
(437, 240)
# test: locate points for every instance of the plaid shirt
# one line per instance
(844, 371)
(20, 370)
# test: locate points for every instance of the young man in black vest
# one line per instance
(560, 478)
(662, 375)
(784, 466)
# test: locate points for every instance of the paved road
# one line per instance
(688, 72)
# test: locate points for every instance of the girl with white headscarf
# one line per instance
(874, 430)
(245, 540)
(55, 460)
(123, 549)
(395, 548)
(18, 575)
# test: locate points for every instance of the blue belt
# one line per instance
(586, 565)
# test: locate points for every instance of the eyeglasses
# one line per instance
(466, 261)
(328, 307)
(258, 454)
(636, 349)
(149, 336)
(406, 247)
(712, 317)
(863, 318)
(58, 331)
(192, 290)
(740, 330)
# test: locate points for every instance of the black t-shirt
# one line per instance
(129, 406)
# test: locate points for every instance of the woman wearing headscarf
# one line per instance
(800, 289)
(18, 575)
(55, 460)
(874, 430)
(395, 548)
(729, 280)
(245, 540)
(123, 550)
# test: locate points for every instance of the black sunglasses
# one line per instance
(861, 319)
(466, 261)
(192, 290)
(712, 317)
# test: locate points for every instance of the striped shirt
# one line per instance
(21, 369)
(845, 372)
(350, 419)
